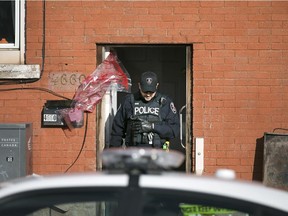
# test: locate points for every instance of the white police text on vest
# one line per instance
(146, 110)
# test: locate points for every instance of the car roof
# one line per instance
(173, 181)
(143, 171)
(237, 189)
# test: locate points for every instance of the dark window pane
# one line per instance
(7, 21)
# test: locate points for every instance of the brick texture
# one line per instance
(240, 55)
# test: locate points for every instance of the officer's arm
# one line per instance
(169, 128)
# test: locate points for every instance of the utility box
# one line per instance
(15, 150)
(51, 117)
(276, 160)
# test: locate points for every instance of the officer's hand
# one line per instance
(146, 127)
(143, 126)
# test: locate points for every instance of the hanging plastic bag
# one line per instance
(93, 88)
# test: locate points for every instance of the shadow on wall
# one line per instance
(258, 160)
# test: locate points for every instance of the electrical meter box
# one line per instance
(50, 113)
(51, 117)
(15, 150)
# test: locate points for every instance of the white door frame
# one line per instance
(107, 108)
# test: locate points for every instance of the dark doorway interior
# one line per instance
(169, 62)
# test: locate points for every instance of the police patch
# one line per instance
(173, 108)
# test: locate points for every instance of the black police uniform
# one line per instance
(160, 110)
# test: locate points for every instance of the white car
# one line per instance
(135, 182)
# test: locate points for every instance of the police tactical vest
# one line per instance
(150, 112)
(147, 111)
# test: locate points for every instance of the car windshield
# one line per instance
(134, 202)
(150, 209)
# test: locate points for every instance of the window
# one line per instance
(12, 20)
(9, 24)
(12, 42)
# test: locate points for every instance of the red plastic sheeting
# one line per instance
(93, 88)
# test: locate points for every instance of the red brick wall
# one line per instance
(240, 55)
(240, 82)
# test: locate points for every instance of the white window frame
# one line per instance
(12, 56)
(13, 53)
(16, 28)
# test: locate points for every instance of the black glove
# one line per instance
(143, 126)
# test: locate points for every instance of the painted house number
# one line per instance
(65, 81)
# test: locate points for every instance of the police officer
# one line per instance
(146, 118)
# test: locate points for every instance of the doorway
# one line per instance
(172, 64)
